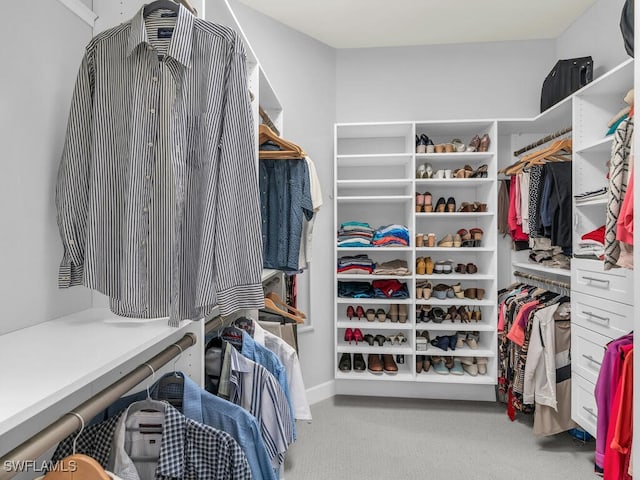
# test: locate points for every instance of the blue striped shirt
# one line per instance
(157, 194)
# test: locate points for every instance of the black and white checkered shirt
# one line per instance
(157, 193)
(189, 450)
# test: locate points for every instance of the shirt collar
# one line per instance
(258, 333)
(191, 397)
(248, 345)
(238, 362)
(181, 41)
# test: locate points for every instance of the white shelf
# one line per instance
(459, 352)
(455, 182)
(455, 276)
(455, 301)
(390, 182)
(382, 376)
(542, 269)
(432, 377)
(268, 273)
(375, 199)
(375, 160)
(447, 326)
(551, 120)
(455, 249)
(591, 203)
(600, 146)
(433, 215)
(374, 249)
(375, 325)
(615, 81)
(67, 354)
(374, 130)
(346, 276)
(466, 156)
(373, 301)
(365, 348)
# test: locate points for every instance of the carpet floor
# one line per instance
(353, 438)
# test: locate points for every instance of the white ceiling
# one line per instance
(386, 23)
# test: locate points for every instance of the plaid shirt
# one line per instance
(189, 450)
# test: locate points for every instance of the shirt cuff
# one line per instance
(240, 297)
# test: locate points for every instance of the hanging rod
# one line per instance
(542, 141)
(543, 280)
(68, 423)
(188, 6)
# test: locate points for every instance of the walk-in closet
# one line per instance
(295, 241)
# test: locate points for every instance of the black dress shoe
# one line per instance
(451, 205)
(359, 364)
(441, 205)
(345, 362)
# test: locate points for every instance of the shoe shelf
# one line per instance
(432, 377)
(365, 348)
(447, 326)
(375, 325)
(438, 277)
(458, 352)
(453, 214)
(375, 165)
(456, 156)
(373, 301)
(374, 199)
(402, 375)
(455, 301)
(347, 276)
(454, 182)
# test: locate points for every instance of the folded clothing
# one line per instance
(392, 231)
(355, 270)
(394, 267)
(390, 289)
(356, 226)
(597, 234)
(390, 242)
(355, 290)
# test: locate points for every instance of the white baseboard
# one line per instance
(321, 392)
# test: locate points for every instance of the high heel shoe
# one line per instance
(360, 312)
(485, 141)
(419, 202)
(441, 205)
(381, 315)
(369, 339)
(350, 312)
(474, 144)
(477, 314)
(348, 335)
(427, 206)
(421, 143)
(380, 339)
(371, 314)
(476, 236)
(393, 312)
(451, 205)
(403, 313)
(357, 335)
(481, 172)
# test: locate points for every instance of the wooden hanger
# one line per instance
(558, 151)
(77, 467)
(271, 307)
(278, 301)
(288, 150)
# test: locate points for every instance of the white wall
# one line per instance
(43, 59)
(485, 80)
(596, 33)
(302, 72)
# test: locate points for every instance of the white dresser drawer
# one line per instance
(583, 404)
(610, 319)
(588, 276)
(587, 352)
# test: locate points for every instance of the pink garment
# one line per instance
(625, 217)
(516, 230)
(517, 332)
(519, 199)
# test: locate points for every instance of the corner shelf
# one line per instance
(561, 272)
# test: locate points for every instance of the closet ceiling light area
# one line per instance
(374, 23)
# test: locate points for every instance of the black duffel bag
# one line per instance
(566, 77)
(626, 26)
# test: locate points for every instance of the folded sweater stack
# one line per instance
(391, 235)
(356, 264)
(591, 245)
(394, 267)
(355, 234)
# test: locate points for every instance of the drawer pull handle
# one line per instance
(597, 317)
(591, 359)
(590, 411)
(593, 279)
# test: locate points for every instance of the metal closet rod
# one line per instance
(537, 278)
(542, 141)
(69, 423)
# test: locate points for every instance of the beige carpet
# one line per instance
(353, 438)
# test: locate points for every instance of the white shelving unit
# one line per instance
(375, 182)
(601, 301)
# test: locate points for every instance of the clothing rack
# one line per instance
(542, 141)
(544, 282)
(68, 423)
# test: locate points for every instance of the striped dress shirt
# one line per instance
(257, 391)
(157, 194)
